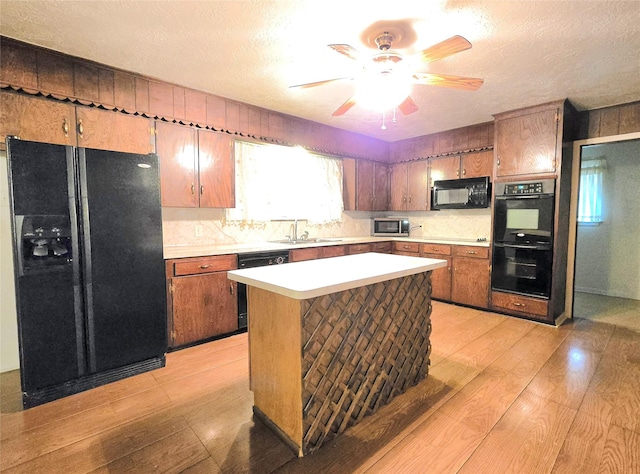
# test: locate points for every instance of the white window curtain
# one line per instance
(591, 191)
(276, 182)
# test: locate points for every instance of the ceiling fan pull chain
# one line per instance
(394, 120)
(384, 127)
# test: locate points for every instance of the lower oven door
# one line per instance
(522, 269)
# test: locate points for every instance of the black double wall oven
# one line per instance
(523, 237)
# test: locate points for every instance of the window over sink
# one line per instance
(279, 182)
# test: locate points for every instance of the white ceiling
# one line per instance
(528, 52)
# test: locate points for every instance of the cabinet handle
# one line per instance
(471, 252)
(204, 267)
(65, 127)
(202, 189)
(231, 288)
(193, 188)
(464, 172)
(498, 161)
(409, 199)
(458, 173)
(404, 198)
(80, 128)
(519, 304)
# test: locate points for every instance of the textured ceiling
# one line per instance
(527, 52)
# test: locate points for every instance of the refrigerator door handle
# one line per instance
(75, 262)
(87, 284)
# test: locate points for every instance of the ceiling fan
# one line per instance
(386, 70)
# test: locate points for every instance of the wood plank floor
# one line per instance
(503, 395)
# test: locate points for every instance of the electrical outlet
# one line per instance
(198, 230)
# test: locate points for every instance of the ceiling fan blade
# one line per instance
(445, 48)
(344, 107)
(348, 51)
(455, 82)
(320, 83)
(408, 106)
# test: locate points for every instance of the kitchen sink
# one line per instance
(304, 241)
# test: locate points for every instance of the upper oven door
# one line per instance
(524, 219)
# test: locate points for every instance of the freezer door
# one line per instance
(123, 261)
(48, 296)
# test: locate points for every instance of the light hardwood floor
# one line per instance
(503, 395)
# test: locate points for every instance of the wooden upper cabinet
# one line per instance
(447, 167)
(380, 187)
(364, 185)
(37, 120)
(475, 165)
(527, 142)
(417, 186)
(409, 186)
(349, 184)
(398, 182)
(177, 148)
(216, 165)
(106, 130)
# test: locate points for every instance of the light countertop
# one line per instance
(182, 251)
(312, 278)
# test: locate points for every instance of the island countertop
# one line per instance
(312, 278)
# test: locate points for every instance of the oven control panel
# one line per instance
(523, 188)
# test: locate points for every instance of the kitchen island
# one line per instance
(332, 340)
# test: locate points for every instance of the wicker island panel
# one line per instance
(361, 348)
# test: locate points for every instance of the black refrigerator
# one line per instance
(89, 268)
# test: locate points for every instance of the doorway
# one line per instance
(606, 273)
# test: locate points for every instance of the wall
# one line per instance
(179, 226)
(9, 359)
(608, 255)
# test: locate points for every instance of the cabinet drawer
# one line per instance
(299, 255)
(411, 247)
(194, 266)
(333, 251)
(437, 249)
(359, 248)
(519, 303)
(470, 251)
(381, 247)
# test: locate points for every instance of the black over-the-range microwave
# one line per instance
(467, 193)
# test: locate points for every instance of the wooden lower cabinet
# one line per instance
(441, 279)
(359, 248)
(202, 301)
(533, 308)
(411, 249)
(470, 281)
(381, 247)
(299, 255)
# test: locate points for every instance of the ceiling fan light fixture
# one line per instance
(385, 91)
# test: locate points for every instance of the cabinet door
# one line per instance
(398, 184)
(381, 187)
(470, 281)
(36, 120)
(203, 306)
(364, 185)
(216, 162)
(349, 184)
(332, 251)
(526, 144)
(441, 279)
(176, 145)
(417, 186)
(444, 168)
(475, 165)
(105, 130)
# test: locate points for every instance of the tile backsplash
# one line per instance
(180, 226)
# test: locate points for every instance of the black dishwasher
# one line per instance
(252, 260)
